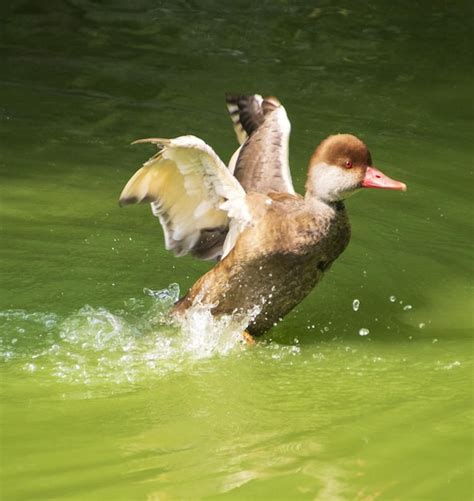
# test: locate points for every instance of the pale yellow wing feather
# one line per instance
(193, 194)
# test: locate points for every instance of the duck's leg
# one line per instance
(248, 338)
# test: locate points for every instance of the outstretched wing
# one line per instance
(263, 130)
(200, 205)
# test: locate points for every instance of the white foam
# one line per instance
(95, 345)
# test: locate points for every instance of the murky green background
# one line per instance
(100, 400)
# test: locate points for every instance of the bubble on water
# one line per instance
(421, 325)
(392, 299)
(435, 341)
(407, 307)
(364, 332)
(355, 304)
(171, 293)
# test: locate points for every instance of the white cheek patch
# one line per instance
(331, 183)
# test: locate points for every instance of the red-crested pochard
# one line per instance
(272, 245)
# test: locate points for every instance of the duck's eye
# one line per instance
(348, 164)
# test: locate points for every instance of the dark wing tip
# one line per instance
(245, 110)
(236, 97)
(127, 201)
(135, 200)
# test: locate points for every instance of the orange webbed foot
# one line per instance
(249, 339)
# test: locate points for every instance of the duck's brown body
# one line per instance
(276, 262)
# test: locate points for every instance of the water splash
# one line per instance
(207, 335)
(96, 345)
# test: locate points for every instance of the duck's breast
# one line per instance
(278, 261)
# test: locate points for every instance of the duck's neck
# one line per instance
(331, 224)
(316, 204)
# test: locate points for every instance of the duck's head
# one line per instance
(340, 166)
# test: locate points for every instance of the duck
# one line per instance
(270, 245)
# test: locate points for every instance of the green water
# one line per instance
(101, 399)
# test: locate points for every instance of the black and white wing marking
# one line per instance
(263, 130)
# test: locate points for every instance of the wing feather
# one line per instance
(194, 196)
(263, 129)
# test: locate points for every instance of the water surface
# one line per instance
(101, 397)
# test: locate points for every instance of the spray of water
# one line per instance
(96, 345)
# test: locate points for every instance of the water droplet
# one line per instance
(355, 304)
(435, 340)
(364, 332)
(421, 325)
(407, 307)
(392, 299)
